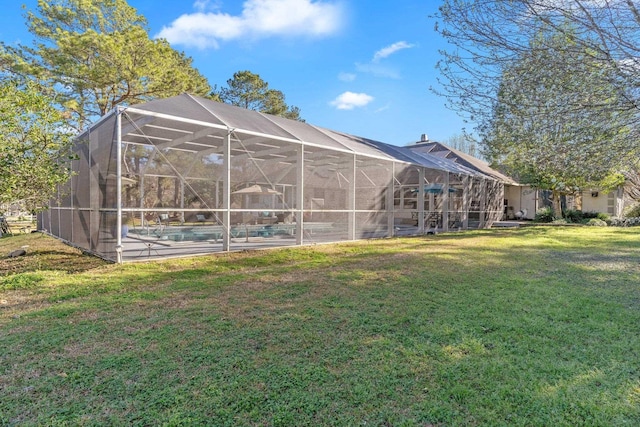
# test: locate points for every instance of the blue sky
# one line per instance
(358, 66)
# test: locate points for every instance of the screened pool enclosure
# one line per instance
(187, 175)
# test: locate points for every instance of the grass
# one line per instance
(536, 326)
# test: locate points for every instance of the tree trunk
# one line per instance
(160, 192)
(176, 192)
(557, 206)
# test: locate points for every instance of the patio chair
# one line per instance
(433, 219)
(521, 214)
(163, 219)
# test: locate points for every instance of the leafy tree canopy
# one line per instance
(248, 90)
(97, 54)
(559, 127)
(34, 144)
(464, 143)
(487, 37)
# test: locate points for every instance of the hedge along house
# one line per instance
(186, 175)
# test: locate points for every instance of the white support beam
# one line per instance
(299, 205)
(445, 203)
(182, 200)
(263, 153)
(142, 206)
(466, 194)
(421, 212)
(483, 202)
(226, 193)
(352, 202)
(390, 203)
(185, 138)
(119, 186)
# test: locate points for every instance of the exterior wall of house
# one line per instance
(526, 198)
(598, 201)
(520, 198)
(512, 201)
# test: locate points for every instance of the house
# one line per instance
(523, 201)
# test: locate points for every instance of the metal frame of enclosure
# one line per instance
(186, 175)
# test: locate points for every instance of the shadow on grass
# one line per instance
(43, 253)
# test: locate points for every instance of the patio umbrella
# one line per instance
(258, 190)
(436, 188)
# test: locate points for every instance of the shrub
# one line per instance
(595, 222)
(589, 215)
(544, 215)
(560, 221)
(632, 211)
(573, 215)
(624, 222)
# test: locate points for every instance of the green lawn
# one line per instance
(538, 326)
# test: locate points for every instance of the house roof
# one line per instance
(441, 150)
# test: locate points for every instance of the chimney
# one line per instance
(424, 138)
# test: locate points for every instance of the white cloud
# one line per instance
(346, 77)
(258, 19)
(630, 65)
(351, 100)
(378, 70)
(381, 69)
(391, 49)
(384, 108)
(201, 5)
